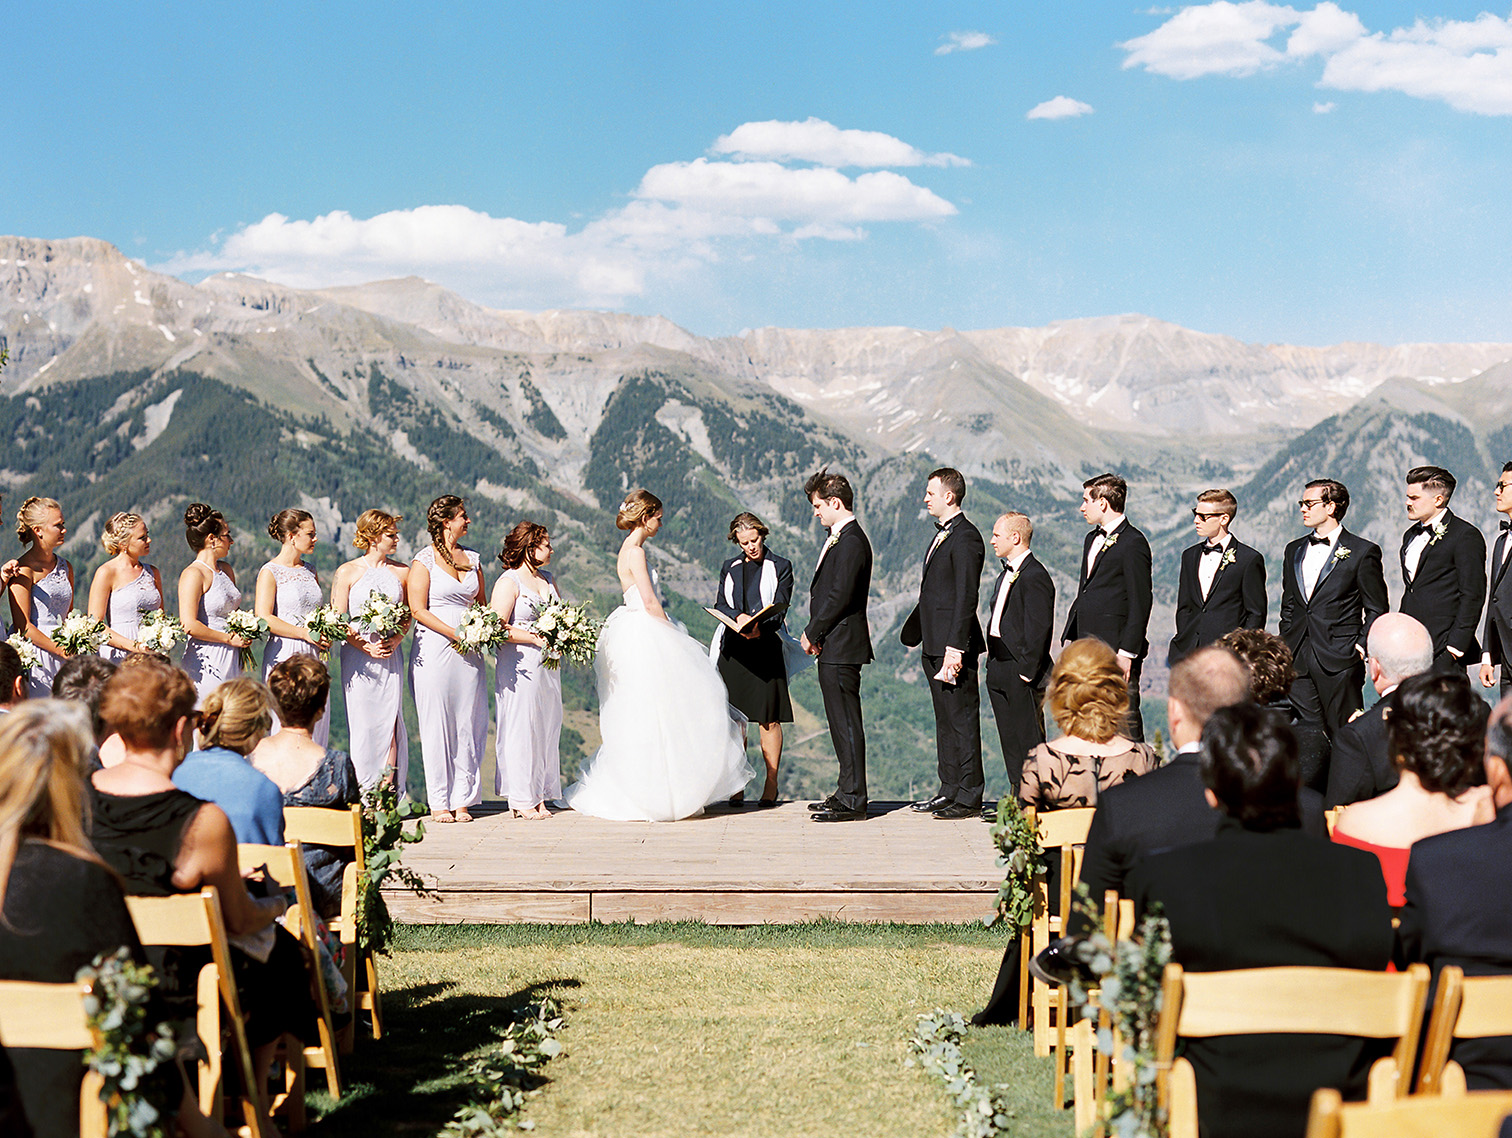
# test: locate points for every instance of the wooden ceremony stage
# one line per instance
(729, 867)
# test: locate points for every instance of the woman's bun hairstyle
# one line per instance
(636, 508)
(285, 524)
(30, 515)
(201, 523)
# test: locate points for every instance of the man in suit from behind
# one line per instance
(1114, 593)
(1362, 765)
(1020, 623)
(838, 635)
(1222, 583)
(1456, 911)
(1443, 569)
(944, 624)
(1496, 650)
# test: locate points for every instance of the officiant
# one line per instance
(751, 644)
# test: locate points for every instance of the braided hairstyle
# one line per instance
(285, 524)
(118, 530)
(441, 511)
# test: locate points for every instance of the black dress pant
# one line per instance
(1328, 698)
(1136, 720)
(840, 684)
(958, 732)
(1017, 709)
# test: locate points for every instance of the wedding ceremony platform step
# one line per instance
(728, 867)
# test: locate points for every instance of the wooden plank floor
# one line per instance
(727, 867)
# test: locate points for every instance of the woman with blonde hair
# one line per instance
(672, 744)
(1089, 701)
(207, 594)
(288, 591)
(372, 670)
(126, 586)
(235, 717)
(41, 592)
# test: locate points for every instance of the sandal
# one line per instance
(463, 815)
(442, 816)
(765, 803)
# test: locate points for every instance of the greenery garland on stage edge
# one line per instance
(501, 1080)
(129, 1049)
(383, 842)
(1019, 854)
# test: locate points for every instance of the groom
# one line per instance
(837, 633)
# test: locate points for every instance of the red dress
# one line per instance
(1393, 861)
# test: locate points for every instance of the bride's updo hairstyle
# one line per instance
(1088, 695)
(201, 523)
(636, 508)
(441, 511)
(33, 513)
(285, 524)
(373, 524)
(521, 544)
(117, 530)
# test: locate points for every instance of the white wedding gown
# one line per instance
(671, 742)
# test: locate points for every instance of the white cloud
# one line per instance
(964, 41)
(770, 190)
(1060, 107)
(1323, 31)
(1467, 64)
(815, 140)
(1222, 38)
(1324, 108)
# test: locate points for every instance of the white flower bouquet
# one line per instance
(251, 628)
(325, 623)
(159, 631)
(80, 634)
(480, 630)
(570, 633)
(381, 616)
(30, 654)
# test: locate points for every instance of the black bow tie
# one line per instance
(1505, 526)
(1316, 540)
(942, 526)
(1212, 547)
(1414, 530)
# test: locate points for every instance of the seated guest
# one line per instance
(1362, 766)
(1261, 894)
(12, 678)
(1456, 911)
(1436, 726)
(162, 841)
(81, 679)
(306, 773)
(1089, 700)
(234, 719)
(1272, 674)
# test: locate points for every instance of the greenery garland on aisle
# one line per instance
(503, 1079)
(936, 1045)
(1019, 854)
(130, 1049)
(383, 840)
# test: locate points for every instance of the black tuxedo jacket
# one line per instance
(1259, 900)
(1028, 621)
(1449, 587)
(946, 615)
(1457, 913)
(1236, 600)
(837, 600)
(1349, 595)
(1113, 603)
(1498, 635)
(1361, 765)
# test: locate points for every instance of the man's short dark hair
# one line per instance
(1110, 488)
(1434, 478)
(951, 479)
(1334, 493)
(82, 678)
(828, 485)
(1437, 728)
(10, 671)
(1249, 762)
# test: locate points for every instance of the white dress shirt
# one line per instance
(1314, 557)
(1415, 547)
(995, 625)
(1105, 531)
(1207, 565)
(834, 532)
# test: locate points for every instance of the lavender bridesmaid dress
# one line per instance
(298, 596)
(211, 664)
(451, 693)
(51, 598)
(127, 604)
(528, 698)
(374, 692)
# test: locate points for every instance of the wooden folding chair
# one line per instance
(51, 1017)
(190, 920)
(1475, 1114)
(323, 826)
(1092, 1071)
(1465, 1007)
(285, 865)
(1063, 834)
(1331, 817)
(1309, 1001)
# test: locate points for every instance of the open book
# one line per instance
(728, 622)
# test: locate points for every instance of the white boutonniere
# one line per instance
(1013, 576)
(1438, 533)
(1228, 557)
(830, 544)
(1109, 541)
(1341, 551)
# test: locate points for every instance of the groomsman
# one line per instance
(1498, 636)
(1222, 585)
(1019, 626)
(1332, 589)
(1443, 569)
(1114, 594)
(944, 623)
(838, 635)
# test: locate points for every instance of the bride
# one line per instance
(671, 744)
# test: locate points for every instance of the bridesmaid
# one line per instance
(207, 594)
(528, 695)
(372, 671)
(125, 586)
(41, 593)
(287, 592)
(451, 692)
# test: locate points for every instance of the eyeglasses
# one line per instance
(1196, 513)
(1503, 485)
(1309, 503)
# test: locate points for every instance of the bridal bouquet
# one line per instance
(251, 628)
(159, 631)
(382, 617)
(479, 630)
(80, 634)
(327, 624)
(30, 654)
(570, 633)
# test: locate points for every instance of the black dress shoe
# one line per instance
(955, 810)
(840, 815)
(1057, 963)
(930, 805)
(829, 803)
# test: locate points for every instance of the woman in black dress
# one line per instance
(751, 661)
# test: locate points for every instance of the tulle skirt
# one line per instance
(671, 742)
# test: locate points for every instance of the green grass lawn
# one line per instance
(687, 1029)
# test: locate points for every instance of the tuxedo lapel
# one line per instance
(1406, 541)
(1297, 557)
(1087, 551)
(1499, 567)
(1328, 565)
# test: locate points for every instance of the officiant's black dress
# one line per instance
(753, 670)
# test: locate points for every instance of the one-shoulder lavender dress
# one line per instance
(451, 693)
(298, 596)
(528, 699)
(374, 691)
(127, 604)
(51, 598)
(208, 663)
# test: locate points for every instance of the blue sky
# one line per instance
(1307, 174)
